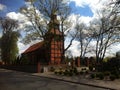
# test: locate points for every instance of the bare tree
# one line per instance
(106, 32)
(40, 12)
(84, 36)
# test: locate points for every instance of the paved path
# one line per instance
(12, 80)
(112, 85)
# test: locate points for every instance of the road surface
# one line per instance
(13, 80)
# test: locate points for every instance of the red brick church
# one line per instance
(49, 51)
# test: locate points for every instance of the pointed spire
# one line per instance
(54, 23)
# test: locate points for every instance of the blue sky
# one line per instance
(83, 11)
(14, 5)
(11, 6)
(85, 8)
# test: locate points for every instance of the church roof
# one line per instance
(34, 47)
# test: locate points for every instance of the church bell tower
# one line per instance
(56, 44)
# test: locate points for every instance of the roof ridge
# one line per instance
(34, 47)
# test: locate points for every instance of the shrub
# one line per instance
(100, 75)
(60, 68)
(92, 75)
(66, 72)
(107, 73)
(75, 70)
(115, 73)
(86, 72)
(56, 72)
(112, 77)
(71, 70)
(77, 73)
(70, 73)
(97, 75)
(117, 76)
(60, 72)
(91, 68)
(83, 69)
(81, 72)
(52, 69)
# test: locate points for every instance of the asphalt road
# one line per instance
(12, 80)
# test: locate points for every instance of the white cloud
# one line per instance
(80, 3)
(74, 48)
(22, 47)
(2, 7)
(22, 22)
(95, 5)
(22, 19)
(86, 20)
(79, 19)
(110, 51)
(113, 49)
(16, 16)
(73, 19)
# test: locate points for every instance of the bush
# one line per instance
(97, 75)
(92, 76)
(71, 70)
(107, 73)
(77, 73)
(86, 72)
(112, 77)
(81, 72)
(65, 72)
(52, 69)
(100, 75)
(56, 72)
(70, 73)
(83, 69)
(91, 68)
(60, 72)
(116, 74)
(75, 70)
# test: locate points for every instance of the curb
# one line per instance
(77, 82)
(64, 80)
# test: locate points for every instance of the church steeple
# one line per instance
(54, 23)
(55, 42)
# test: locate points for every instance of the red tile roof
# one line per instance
(34, 47)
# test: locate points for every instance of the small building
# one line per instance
(49, 51)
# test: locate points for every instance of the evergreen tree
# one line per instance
(9, 49)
